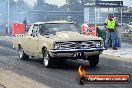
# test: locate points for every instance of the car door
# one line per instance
(25, 41)
(33, 41)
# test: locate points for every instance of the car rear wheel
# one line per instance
(94, 60)
(47, 60)
(22, 55)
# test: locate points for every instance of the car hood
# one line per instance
(72, 36)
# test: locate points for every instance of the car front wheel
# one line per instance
(47, 60)
(94, 60)
(22, 55)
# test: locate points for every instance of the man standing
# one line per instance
(110, 31)
(25, 23)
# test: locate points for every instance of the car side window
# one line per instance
(43, 29)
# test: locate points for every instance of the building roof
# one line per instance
(53, 22)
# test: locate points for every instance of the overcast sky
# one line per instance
(61, 2)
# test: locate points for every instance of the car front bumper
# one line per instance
(76, 52)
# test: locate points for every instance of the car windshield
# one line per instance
(50, 28)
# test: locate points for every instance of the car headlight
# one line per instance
(56, 46)
(98, 44)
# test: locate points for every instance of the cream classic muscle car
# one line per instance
(57, 40)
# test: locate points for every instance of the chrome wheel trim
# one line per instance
(46, 59)
(20, 54)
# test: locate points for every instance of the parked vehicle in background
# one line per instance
(130, 30)
(130, 24)
(124, 25)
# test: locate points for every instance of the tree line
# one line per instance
(40, 5)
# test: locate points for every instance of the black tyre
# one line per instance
(22, 55)
(47, 60)
(59, 60)
(94, 60)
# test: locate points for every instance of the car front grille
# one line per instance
(66, 45)
(79, 45)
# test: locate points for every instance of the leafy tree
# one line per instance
(124, 9)
(21, 5)
(50, 7)
(39, 5)
(74, 5)
(77, 5)
(65, 7)
(3, 4)
(12, 3)
(129, 9)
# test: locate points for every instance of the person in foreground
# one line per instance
(110, 25)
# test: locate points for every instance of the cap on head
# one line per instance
(110, 14)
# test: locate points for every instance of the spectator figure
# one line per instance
(118, 35)
(110, 25)
(25, 23)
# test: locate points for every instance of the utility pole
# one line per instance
(8, 16)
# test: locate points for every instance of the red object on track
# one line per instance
(88, 30)
(18, 28)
